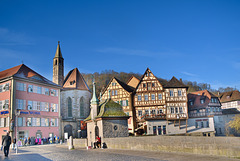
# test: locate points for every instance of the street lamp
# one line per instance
(17, 113)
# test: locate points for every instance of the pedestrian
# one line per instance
(14, 143)
(25, 141)
(6, 144)
(29, 141)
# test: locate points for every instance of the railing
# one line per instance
(202, 114)
(151, 116)
(177, 116)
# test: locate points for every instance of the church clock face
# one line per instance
(115, 127)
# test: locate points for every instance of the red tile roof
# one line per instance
(75, 80)
(230, 96)
(195, 97)
(22, 71)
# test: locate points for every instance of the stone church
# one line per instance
(75, 98)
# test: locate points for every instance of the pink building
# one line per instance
(29, 104)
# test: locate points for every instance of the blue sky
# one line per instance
(193, 40)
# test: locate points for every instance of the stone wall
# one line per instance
(115, 128)
(225, 146)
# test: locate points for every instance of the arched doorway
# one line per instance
(68, 129)
(96, 131)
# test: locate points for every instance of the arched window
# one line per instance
(55, 62)
(69, 101)
(81, 106)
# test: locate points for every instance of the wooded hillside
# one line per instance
(102, 79)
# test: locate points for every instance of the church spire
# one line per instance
(58, 66)
(58, 53)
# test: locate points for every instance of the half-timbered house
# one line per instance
(149, 100)
(121, 93)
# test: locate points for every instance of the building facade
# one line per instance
(230, 100)
(202, 106)
(29, 104)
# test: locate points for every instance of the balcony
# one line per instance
(179, 116)
(151, 117)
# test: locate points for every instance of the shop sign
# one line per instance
(4, 112)
(30, 112)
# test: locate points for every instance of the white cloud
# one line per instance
(189, 74)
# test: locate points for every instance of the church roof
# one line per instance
(75, 80)
(175, 83)
(58, 53)
(22, 71)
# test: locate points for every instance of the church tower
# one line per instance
(58, 67)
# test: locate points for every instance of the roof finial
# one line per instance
(94, 99)
(58, 42)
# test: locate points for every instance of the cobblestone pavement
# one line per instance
(61, 153)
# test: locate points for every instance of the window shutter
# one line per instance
(34, 105)
(51, 107)
(121, 103)
(2, 122)
(57, 92)
(56, 105)
(24, 121)
(17, 103)
(56, 122)
(24, 104)
(33, 121)
(43, 90)
(127, 102)
(7, 121)
(24, 87)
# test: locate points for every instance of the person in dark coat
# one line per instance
(6, 144)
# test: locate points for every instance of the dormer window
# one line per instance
(202, 101)
(191, 103)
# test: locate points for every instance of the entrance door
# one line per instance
(154, 130)
(68, 129)
(159, 130)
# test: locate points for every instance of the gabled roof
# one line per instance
(230, 96)
(22, 71)
(122, 84)
(197, 96)
(58, 53)
(175, 83)
(74, 80)
(133, 81)
(143, 77)
(204, 93)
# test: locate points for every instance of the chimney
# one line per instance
(181, 80)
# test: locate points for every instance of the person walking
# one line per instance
(14, 143)
(6, 144)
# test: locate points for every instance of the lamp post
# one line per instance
(17, 113)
